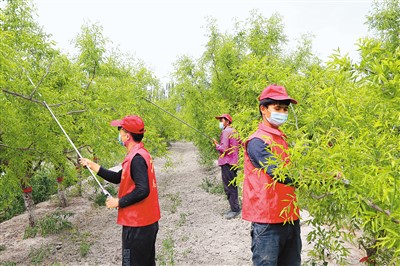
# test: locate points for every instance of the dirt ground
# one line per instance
(192, 231)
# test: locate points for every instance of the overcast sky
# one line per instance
(157, 32)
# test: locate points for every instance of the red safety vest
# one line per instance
(265, 200)
(147, 211)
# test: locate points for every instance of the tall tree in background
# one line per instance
(385, 21)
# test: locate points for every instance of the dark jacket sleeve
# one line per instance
(110, 176)
(140, 177)
(261, 157)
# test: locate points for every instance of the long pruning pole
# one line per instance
(105, 192)
(180, 120)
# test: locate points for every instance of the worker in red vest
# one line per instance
(269, 201)
(137, 201)
(228, 149)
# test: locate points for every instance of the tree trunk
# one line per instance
(79, 169)
(30, 208)
(61, 193)
(61, 190)
(79, 183)
(62, 197)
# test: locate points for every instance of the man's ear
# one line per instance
(263, 109)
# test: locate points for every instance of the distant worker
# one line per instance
(269, 201)
(137, 202)
(228, 159)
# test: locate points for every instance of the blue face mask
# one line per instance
(277, 119)
(221, 125)
(119, 140)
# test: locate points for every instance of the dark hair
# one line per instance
(226, 120)
(268, 101)
(136, 137)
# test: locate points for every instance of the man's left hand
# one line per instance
(112, 203)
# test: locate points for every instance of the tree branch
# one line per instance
(20, 149)
(29, 98)
(318, 197)
(93, 76)
(40, 81)
(23, 96)
(367, 201)
(295, 117)
(379, 209)
(76, 112)
(73, 151)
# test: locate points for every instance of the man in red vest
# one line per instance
(137, 202)
(269, 200)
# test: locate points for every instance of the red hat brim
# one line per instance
(116, 123)
(282, 98)
(225, 116)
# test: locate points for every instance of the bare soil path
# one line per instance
(193, 230)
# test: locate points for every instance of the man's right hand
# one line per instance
(88, 163)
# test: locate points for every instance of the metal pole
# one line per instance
(180, 120)
(76, 150)
(105, 192)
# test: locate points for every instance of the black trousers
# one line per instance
(231, 190)
(138, 245)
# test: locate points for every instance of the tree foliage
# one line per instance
(344, 134)
(85, 93)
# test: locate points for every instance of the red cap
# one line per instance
(131, 123)
(275, 92)
(226, 116)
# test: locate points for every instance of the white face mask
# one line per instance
(221, 125)
(124, 143)
(277, 119)
(120, 140)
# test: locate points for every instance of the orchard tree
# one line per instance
(28, 48)
(343, 135)
(85, 93)
(265, 37)
(231, 73)
(384, 20)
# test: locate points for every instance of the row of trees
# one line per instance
(347, 123)
(85, 91)
(344, 134)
